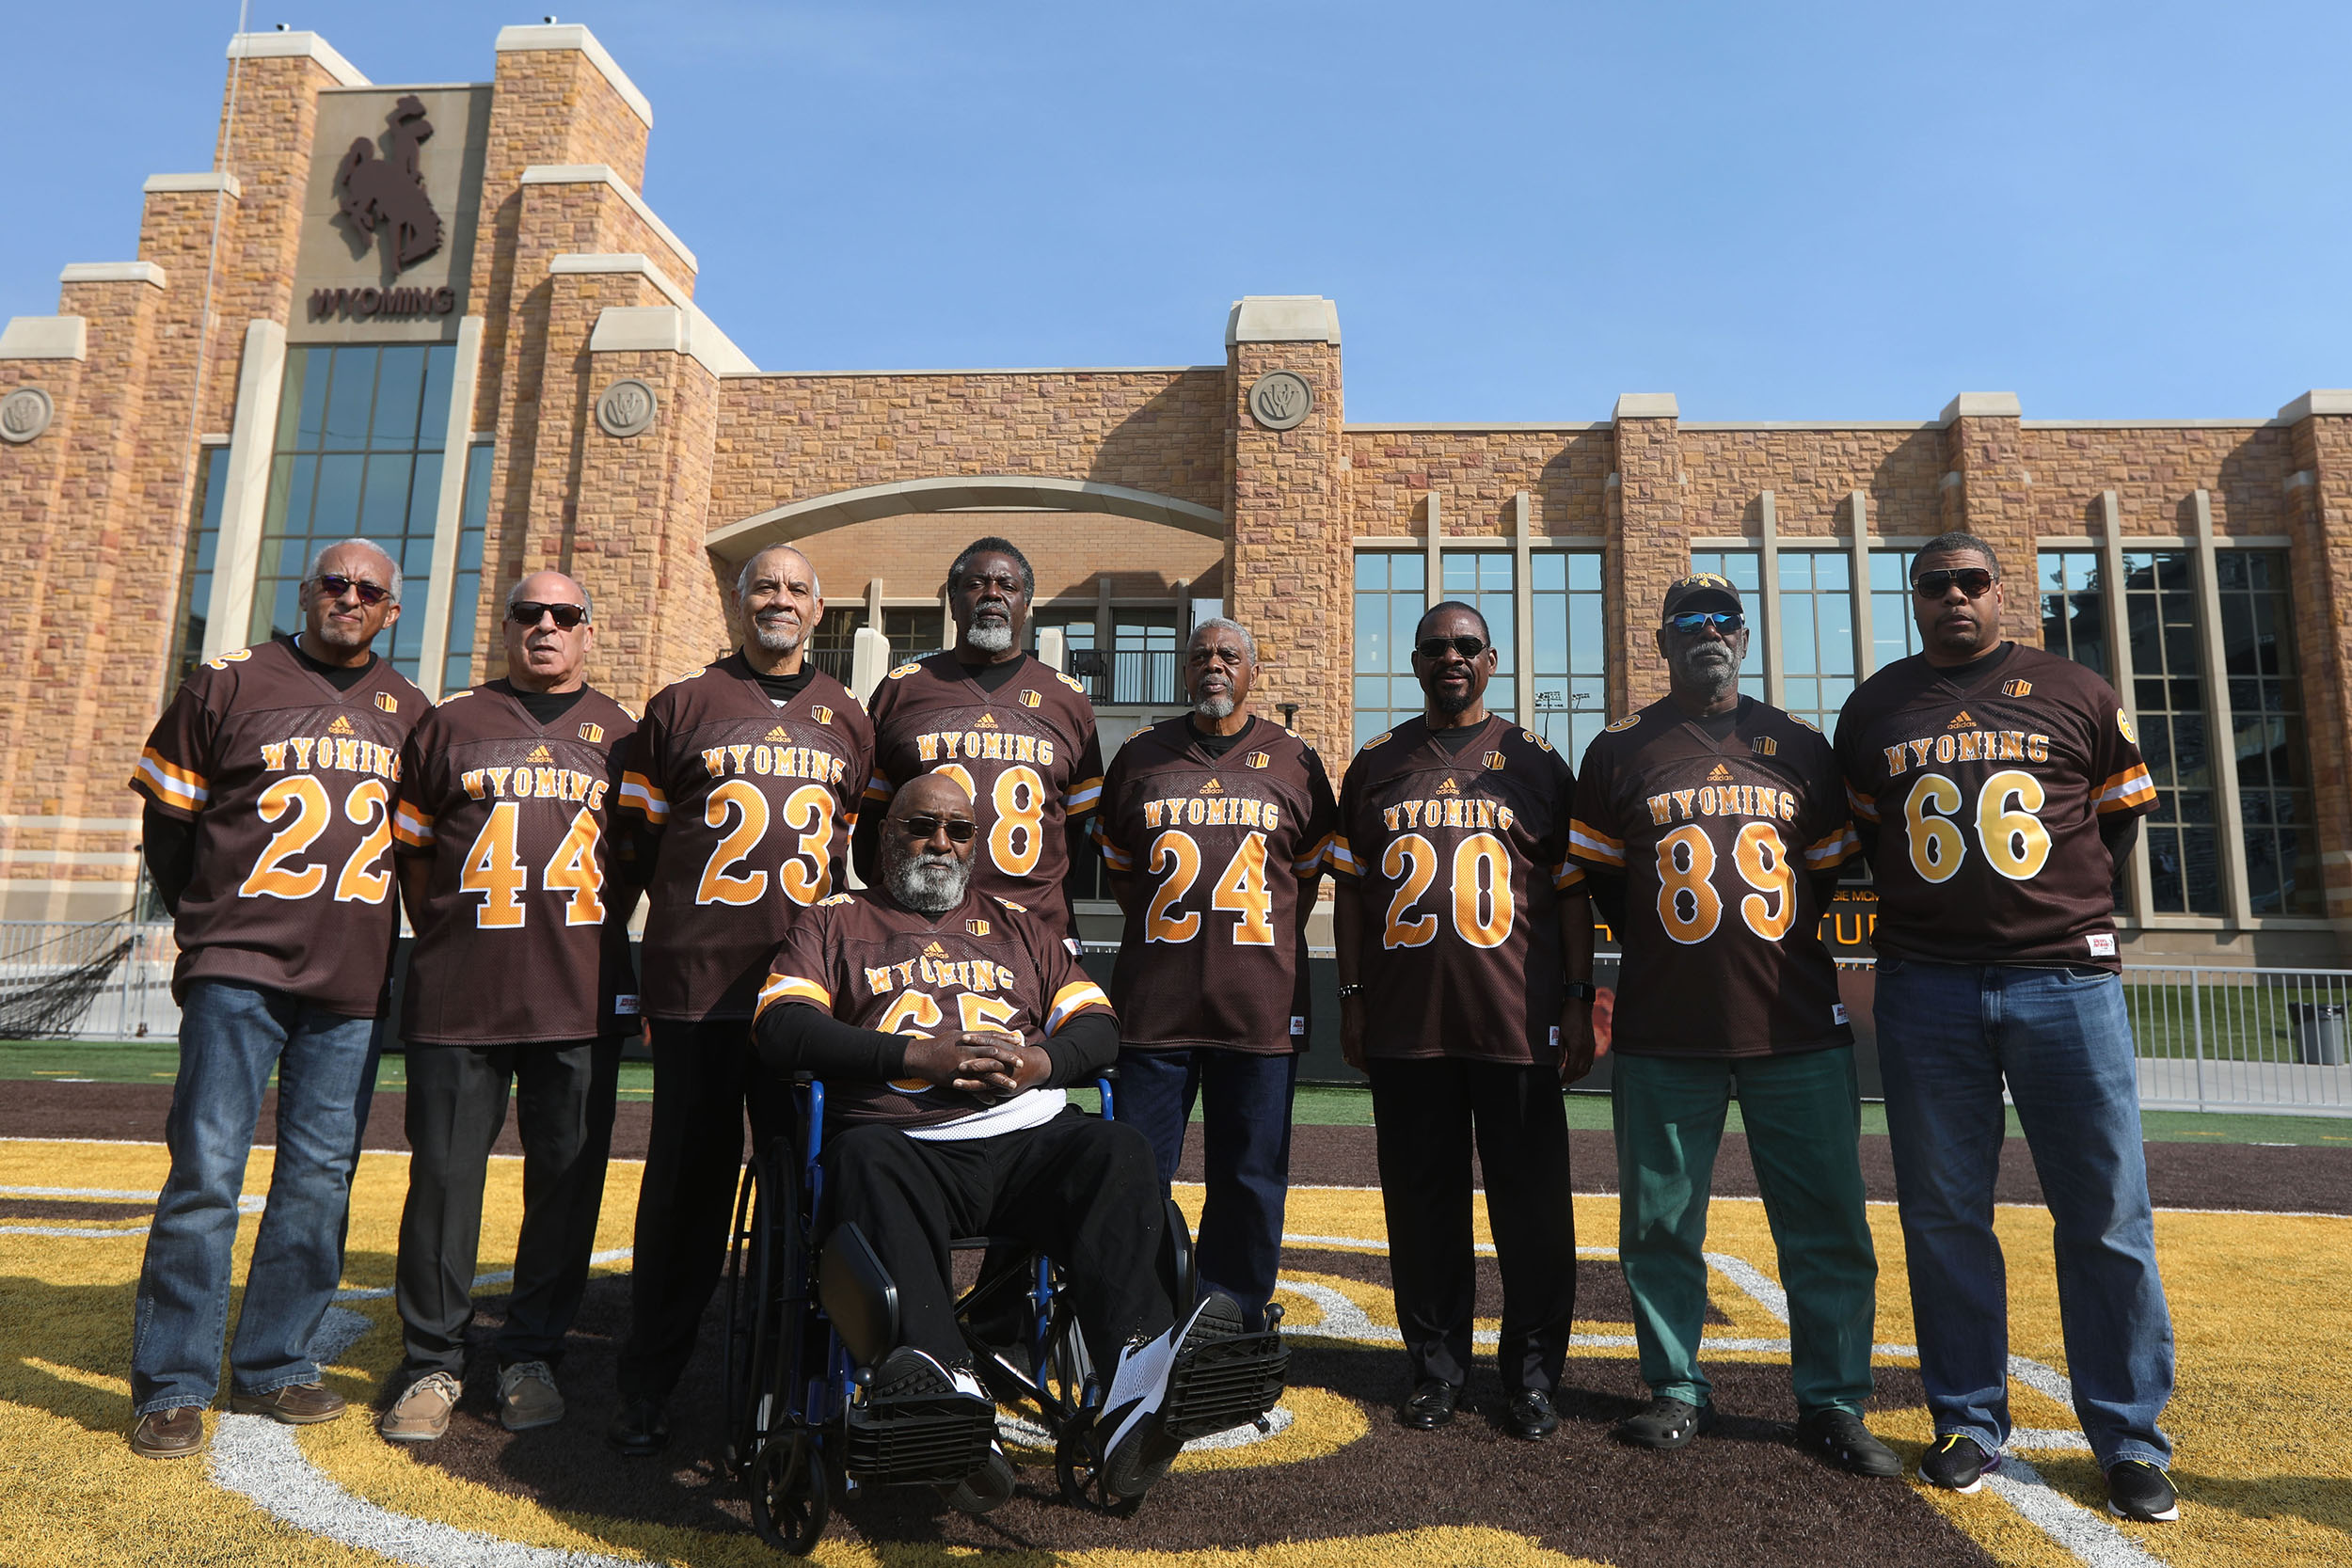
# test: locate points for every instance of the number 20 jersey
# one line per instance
(1459, 859)
(290, 782)
(754, 805)
(1986, 785)
(1225, 850)
(523, 935)
(1718, 841)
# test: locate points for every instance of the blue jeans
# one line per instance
(1246, 1151)
(230, 1037)
(1949, 1035)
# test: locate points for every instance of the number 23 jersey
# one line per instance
(753, 804)
(1718, 841)
(1986, 783)
(1459, 859)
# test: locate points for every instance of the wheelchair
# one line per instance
(806, 1326)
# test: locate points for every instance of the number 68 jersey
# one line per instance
(1986, 783)
(1459, 857)
(754, 805)
(290, 782)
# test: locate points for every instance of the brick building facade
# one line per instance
(268, 376)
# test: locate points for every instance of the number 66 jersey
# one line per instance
(1460, 857)
(1986, 783)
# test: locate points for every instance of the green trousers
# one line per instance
(1803, 1118)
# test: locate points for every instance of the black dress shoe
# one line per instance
(1431, 1405)
(1529, 1415)
(640, 1429)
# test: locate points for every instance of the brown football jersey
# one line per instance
(515, 941)
(1718, 842)
(1226, 851)
(987, 964)
(1459, 857)
(290, 782)
(1986, 785)
(753, 804)
(1026, 751)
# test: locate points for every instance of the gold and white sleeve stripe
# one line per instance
(2129, 788)
(1864, 806)
(168, 783)
(1341, 856)
(1586, 842)
(411, 826)
(791, 988)
(1070, 999)
(640, 793)
(1834, 849)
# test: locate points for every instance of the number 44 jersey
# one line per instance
(1718, 838)
(1459, 857)
(1986, 783)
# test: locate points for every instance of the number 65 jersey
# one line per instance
(1460, 858)
(754, 805)
(1718, 839)
(289, 784)
(1986, 783)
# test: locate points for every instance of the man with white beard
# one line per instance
(945, 1023)
(746, 776)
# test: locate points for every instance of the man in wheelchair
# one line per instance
(944, 1024)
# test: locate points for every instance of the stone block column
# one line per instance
(1289, 552)
(2319, 516)
(1648, 545)
(1987, 491)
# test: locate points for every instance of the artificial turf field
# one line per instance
(2256, 1250)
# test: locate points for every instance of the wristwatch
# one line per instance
(1582, 990)
(1346, 992)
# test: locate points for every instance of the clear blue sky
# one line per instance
(1774, 211)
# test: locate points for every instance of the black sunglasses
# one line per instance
(1690, 622)
(1973, 581)
(525, 612)
(1437, 647)
(334, 587)
(923, 827)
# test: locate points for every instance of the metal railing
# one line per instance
(2240, 1039)
(1137, 675)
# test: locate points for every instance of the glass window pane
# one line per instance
(398, 389)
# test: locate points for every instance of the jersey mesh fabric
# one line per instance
(521, 936)
(1460, 859)
(1028, 750)
(753, 804)
(290, 782)
(986, 964)
(1226, 850)
(1986, 785)
(1718, 840)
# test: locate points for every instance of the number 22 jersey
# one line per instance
(1986, 783)
(1459, 857)
(290, 782)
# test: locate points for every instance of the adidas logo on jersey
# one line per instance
(934, 951)
(1766, 745)
(1211, 787)
(1720, 775)
(780, 733)
(1448, 789)
(1030, 698)
(1259, 759)
(1960, 721)
(985, 722)
(2017, 689)
(341, 726)
(540, 754)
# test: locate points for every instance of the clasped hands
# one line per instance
(990, 1064)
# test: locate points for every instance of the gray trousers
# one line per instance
(564, 1092)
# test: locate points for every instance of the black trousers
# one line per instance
(706, 1076)
(1083, 1191)
(1423, 1114)
(563, 1093)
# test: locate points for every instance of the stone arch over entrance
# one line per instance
(738, 541)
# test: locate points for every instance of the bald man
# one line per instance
(519, 978)
(747, 776)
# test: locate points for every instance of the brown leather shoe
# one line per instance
(296, 1404)
(174, 1433)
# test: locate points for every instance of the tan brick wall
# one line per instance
(2320, 514)
(1564, 473)
(1813, 475)
(1993, 498)
(1647, 548)
(2156, 474)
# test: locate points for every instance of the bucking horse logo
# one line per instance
(389, 191)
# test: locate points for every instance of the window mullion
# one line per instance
(2220, 726)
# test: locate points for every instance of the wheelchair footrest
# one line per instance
(1224, 1383)
(919, 1440)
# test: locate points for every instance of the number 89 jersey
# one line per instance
(1986, 783)
(753, 804)
(1718, 841)
(1459, 859)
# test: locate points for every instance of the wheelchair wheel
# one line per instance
(1079, 1470)
(791, 1495)
(762, 1290)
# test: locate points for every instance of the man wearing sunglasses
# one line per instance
(747, 776)
(945, 1023)
(1998, 789)
(518, 978)
(269, 786)
(1465, 960)
(1713, 827)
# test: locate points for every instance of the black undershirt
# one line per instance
(343, 677)
(545, 707)
(783, 688)
(992, 676)
(1215, 745)
(1456, 737)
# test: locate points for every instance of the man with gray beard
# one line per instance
(945, 1023)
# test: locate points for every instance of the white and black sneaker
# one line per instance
(1957, 1463)
(2141, 1491)
(986, 1489)
(1208, 1373)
